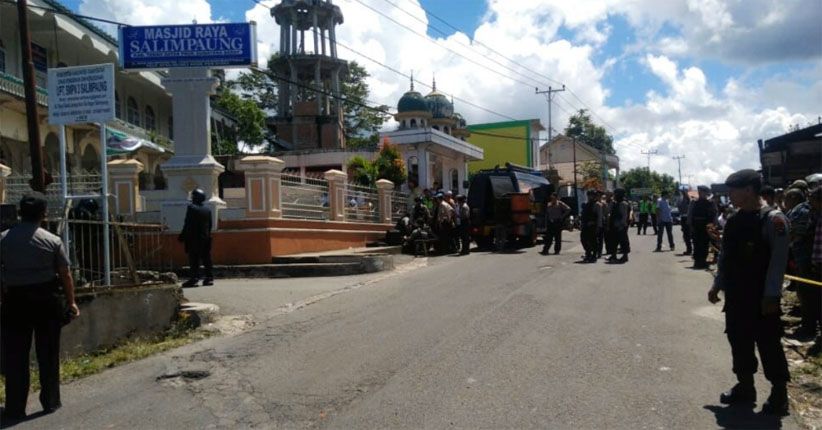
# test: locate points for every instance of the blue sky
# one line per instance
(701, 78)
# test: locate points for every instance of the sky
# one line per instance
(702, 79)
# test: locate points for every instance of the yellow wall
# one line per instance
(513, 148)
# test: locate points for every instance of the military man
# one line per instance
(701, 214)
(590, 219)
(34, 265)
(556, 212)
(463, 227)
(618, 220)
(196, 236)
(684, 206)
(750, 271)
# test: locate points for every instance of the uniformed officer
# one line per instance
(684, 206)
(750, 271)
(590, 219)
(620, 214)
(702, 213)
(34, 264)
(196, 236)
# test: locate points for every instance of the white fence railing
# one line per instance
(304, 198)
(81, 183)
(399, 205)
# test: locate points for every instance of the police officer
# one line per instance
(702, 213)
(464, 224)
(750, 270)
(34, 264)
(590, 219)
(620, 214)
(684, 206)
(196, 236)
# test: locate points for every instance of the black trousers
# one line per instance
(642, 226)
(619, 241)
(686, 234)
(668, 227)
(553, 234)
(23, 314)
(465, 237)
(701, 240)
(200, 253)
(810, 299)
(588, 237)
(600, 241)
(653, 222)
(764, 334)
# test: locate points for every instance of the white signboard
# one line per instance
(81, 94)
(641, 191)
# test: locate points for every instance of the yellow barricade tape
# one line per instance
(803, 280)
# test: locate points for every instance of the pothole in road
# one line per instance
(187, 375)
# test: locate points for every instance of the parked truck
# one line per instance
(507, 206)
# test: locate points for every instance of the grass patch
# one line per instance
(181, 333)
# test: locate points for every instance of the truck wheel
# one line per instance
(500, 239)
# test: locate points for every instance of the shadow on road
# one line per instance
(743, 417)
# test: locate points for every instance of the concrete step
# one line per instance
(306, 266)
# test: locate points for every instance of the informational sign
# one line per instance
(195, 45)
(639, 192)
(81, 94)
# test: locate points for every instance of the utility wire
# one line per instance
(540, 74)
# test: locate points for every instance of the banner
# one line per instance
(196, 45)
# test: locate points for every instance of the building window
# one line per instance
(2, 57)
(118, 112)
(171, 128)
(132, 111)
(413, 123)
(414, 169)
(150, 124)
(455, 180)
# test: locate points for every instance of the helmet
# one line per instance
(198, 196)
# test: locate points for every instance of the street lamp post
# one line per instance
(576, 192)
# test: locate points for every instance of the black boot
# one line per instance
(777, 403)
(742, 392)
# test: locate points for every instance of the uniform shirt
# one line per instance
(644, 207)
(776, 231)
(816, 257)
(684, 206)
(557, 211)
(664, 211)
(620, 221)
(30, 255)
(801, 238)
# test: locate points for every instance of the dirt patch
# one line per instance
(805, 361)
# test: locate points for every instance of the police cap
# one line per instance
(703, 189)
(799, 184)
(744, 178)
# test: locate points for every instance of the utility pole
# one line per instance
(649, 154)
(38, 180)
(550, 96)
(576, 193)
(679, 159)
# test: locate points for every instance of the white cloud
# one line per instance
(149, 12)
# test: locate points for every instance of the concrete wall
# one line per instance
(111, 315)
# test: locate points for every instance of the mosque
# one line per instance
(431, 137)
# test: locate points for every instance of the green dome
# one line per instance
(439, 105)
(412, 101)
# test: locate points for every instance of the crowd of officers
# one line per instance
(437, 218)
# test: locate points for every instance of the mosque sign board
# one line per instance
(218, 45)
(81, 94)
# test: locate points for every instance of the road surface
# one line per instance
(494, 341)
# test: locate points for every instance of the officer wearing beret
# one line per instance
(196, 236)
(702, 212)
(750, 271)
(34, 263)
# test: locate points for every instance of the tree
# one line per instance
(591, 173)
(250, 122)
(583, 129)
(388, 165)
(362, 123)
(641, 177)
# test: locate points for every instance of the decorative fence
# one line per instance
(361, 204)
(304, 198)
(81, 183)
(399, 205)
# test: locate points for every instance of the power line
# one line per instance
(540, 74)
(649, 154)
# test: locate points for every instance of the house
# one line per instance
(515, 142)
(559, 156)
(791, 156)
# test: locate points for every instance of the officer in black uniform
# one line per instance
(702, 213)
(196, 236)
(589, 225)
(34, 264)
(751, 267)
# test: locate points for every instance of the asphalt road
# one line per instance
(493, 341)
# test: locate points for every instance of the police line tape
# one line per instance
(803, 280)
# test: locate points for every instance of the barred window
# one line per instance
(133, 111)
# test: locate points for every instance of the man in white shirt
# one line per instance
(664, 222)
